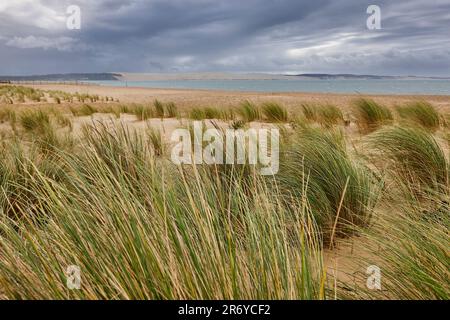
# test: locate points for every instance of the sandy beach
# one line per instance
(202, 98)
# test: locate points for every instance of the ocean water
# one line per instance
(432, 87)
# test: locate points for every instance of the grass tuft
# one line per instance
(197, 114)
(248, 111)
(159, 108)
(371, 115)
(421, 113)
(330, 115)
(212, 113)
(275, 112)
(171, 110)
(338, 188)
(143, 112)
(139, 228)
(34, 120)
(156, 141)
(411, 249)
(416, 158)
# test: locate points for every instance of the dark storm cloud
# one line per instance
(205, 35)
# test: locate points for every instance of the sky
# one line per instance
(275, 36)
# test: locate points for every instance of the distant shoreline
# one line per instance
(201, 97)
(124, 76)
(336, 86)
(131, 85)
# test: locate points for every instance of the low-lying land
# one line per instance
(87, 180)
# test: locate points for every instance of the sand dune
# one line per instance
(187, 98)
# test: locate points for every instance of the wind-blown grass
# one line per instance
(171, 110)
(330, 115)
(327, 115)
(18, 93)
(212, 113)
(19, 166)
(197, 114)
(33, 120)
(139, 229)
(274, 112)
(338, 188)
(248, 111)
(7, 115)
(414, 155)
(421, 113)
(143, 112)
(11, 94)
(228, 114)
(84, 110)
(50, 142)
(310, 112)
(371, 115)
(156, 140)
(410, 246)
(159, 108)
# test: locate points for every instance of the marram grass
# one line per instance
(413, 156)
(371, 115)
(143, 112)
(171, 110)
(327, 115)
(421, 113)
(138, 229)
(339, 189)
(249, 112)
(330, 115)
(274, 112)
(34, 120)
(410, 246)
(159, 108)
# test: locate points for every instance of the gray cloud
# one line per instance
(225, 35)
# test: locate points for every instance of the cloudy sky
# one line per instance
(281, 36)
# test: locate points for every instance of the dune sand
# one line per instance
(199, 98)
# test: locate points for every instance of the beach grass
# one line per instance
(327, 115)
(248, 111)
(171, 110)
(102, 194)
(371, 115)
(421, 113)
(414, 156)
(212, 113)
(32, 120)
(410, 248)
(330, 115)
(197, 114)
(168, 239)
(274, 112)
(143, 112)
(159, 108)
(339, 188)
